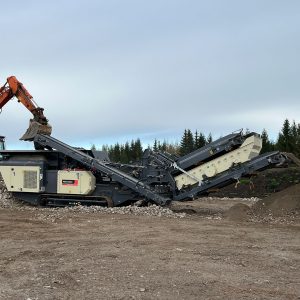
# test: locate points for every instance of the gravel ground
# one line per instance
(124, 256)
(211, 208)
(211, 248)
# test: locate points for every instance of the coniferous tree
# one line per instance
(111, 153)
(132, 151)
(284, 141)
(288, 141)
(196, 140)
(183, 143)
(155, 146)
(190, 141)
(123, 157)
(139, 148)
(104, 148)
(209, 139)
(298, 141)
(158, 145)
(294, 138)
(201, 141)
(117, 153)
(267, 145)
(127, 152)
(163, 146)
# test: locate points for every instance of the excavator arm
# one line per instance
(39, 123)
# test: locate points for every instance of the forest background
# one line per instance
(288, 140)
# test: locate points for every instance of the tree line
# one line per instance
(288, 140)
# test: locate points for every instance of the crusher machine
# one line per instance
(61, 175)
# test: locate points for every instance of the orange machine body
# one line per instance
(14, 88)
(39, 123)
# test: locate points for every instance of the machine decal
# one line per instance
(69, 182)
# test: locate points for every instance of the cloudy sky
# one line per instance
(108, 71)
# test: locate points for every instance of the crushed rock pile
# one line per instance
(54, 214)
(281, 207)
(8, 201)
(280, 203)
(6, 198)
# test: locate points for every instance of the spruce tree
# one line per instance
(105, 148)
(196, 140)
(298, 141)
(294, 138)
(139, 149)
(284, 141)
(190, 141)
(267, 145)
(164, 146)
(127, 152)
(295, 131)
(132, 151)
(209, 139)
(117, 153)
(155, 147)
(183, 144)
(201, 140)
(111, 153)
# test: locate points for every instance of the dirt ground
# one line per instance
(61, 254)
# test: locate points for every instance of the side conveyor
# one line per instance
(256, 164)
(222, 145)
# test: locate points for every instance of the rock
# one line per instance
(238, 212)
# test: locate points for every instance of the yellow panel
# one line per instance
(21, 178)
(75, 182)
(248, 150)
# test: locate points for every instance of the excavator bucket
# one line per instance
(34, 129)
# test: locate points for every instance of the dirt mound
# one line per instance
(280, 203)
(238, 212)
(262, 184)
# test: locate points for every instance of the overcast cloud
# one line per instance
(108, 71)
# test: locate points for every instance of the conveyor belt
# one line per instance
(222, 145)
(256, 164)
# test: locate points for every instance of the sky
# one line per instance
(111, 71)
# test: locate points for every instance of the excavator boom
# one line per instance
(39, 123)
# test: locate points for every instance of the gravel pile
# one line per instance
(53, 214)
(249, 200)
(269, 218)
(280, 207)
(6, 198)
(8, 201)
(244, 213)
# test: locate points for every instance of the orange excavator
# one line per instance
(39, 123)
